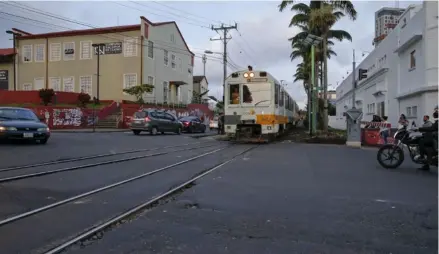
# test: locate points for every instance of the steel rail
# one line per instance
(142, 206)
(106, 187)
(50, 172)
(92, 157)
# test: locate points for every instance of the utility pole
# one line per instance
(98, 48)
(225, 29)
(354, 82)
(204, 65)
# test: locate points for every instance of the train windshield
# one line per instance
(256, 94)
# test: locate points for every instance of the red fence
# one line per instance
(72, 118)
(200, 110)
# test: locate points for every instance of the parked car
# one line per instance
(192, 124)
(155, 121)
(22, 124)
(214, 123)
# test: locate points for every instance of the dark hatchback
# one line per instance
(192, 124)
(155, 121)
(22, 124)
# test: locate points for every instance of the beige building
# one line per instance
(7, 69)
(201, 86)
(146, 53)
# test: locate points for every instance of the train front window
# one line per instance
(234, 94)
(256, 94)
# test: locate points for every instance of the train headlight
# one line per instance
(252, 74)
(246, 75)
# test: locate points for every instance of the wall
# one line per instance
(112, 66)
(33, 97)
(9, 67)
(65, 118)
(200, 110)
(161, 36)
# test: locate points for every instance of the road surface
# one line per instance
(277, 198)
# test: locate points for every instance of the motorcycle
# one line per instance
(403, 138)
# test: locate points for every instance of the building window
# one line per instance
(85, 84)
(166, 57)
(130, 47)
(151, 82)
(69, 51)
(69, 84)
(173, 65)
(39, 53)
(55, 52)
(371, 108)
(55, 84)
(86, 51)
(27, 87)
(412, 111)
(180, 65)
(172, 38)
(165, 91)
(39, 83)
(129, 80)
(27, 53)
(150, 49)
(413, 59)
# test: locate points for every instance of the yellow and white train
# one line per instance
(256, 106)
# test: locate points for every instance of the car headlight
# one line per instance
(43, 129)
(7, 128)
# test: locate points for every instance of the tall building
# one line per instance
(386, 19)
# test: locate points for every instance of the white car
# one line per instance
(214, 123)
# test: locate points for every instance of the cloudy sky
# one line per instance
(261, 39)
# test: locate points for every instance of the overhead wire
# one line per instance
(181, 51)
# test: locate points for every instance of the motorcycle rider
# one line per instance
(427, 122)
(429, 140)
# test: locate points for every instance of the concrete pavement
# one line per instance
(291, 198)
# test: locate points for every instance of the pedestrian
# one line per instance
(384, 130)
(403, 122)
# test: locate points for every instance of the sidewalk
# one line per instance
(88, 130)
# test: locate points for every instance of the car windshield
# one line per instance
(140, 114)
(17, 114)
(186, 118)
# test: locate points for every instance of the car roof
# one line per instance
(14, 108)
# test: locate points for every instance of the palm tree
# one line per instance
(318, 18)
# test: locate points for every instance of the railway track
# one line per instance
(81, 158)
(38, 173)
(119, 189)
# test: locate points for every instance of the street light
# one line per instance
(98, 51)
(14, 34)
(211, 52)
(313, 41)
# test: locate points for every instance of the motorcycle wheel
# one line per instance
(386, 151)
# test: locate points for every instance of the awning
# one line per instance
(177, 83)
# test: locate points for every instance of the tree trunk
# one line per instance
(325, 85)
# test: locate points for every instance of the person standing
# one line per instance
(384, 130)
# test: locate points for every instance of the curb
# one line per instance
(87, 131)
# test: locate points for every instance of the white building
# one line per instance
(402, 73)
(171, 63)
(386, 19)
(201, 86)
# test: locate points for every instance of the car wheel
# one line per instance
(154, 131)
(136, 132)
(178, 131)
(43, 141)
(163, 133)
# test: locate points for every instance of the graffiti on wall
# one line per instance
(67, 117)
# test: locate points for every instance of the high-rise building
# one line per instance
(386, 19)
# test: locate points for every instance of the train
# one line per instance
(257, 107)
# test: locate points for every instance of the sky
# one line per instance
(261, 39)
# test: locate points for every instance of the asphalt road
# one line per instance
(70, 145)
(279, 198)
(290, 198)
